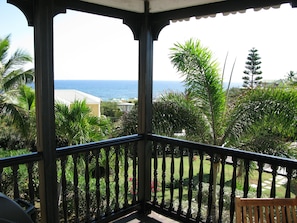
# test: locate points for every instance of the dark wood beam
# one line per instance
(45, 116)
(27, 7)
(135, 24)
(145, 89)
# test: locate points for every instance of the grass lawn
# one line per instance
(253, 179)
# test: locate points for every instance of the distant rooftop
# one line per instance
(69, 96)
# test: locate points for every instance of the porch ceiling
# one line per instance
(155, 5)
(181, 9)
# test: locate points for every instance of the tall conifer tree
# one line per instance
(252, 77)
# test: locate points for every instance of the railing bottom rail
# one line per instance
(170, 213)
(119, 214)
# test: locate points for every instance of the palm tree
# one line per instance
(292, 78)
(77, 125)
(18, 117)
(273, 109)
(291, 75)
(13, 77)
(202, 81)
(26, 101)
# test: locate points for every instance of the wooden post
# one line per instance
(44, 86)
(145, 84)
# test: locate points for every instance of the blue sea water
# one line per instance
(121, 89)
(117, 89)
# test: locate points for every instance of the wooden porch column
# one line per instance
(145, 107)
(44, 86)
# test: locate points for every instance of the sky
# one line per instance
(100, 48)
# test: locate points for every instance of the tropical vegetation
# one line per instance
(74, 124)
(16, 99)
(207, 115)
(257, 113)
(228, 125)
(110, 109)
(172, 113)
(262, 119)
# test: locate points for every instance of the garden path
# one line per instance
(266, 185)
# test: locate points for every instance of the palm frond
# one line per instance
(4, 46)
(17, 78)
(26, 97)
(202, 80)
(18, 60)
(15, 114)
(279, 106)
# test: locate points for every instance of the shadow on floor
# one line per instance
(139, 218)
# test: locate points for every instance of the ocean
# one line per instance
(120, 89)
(117, 89)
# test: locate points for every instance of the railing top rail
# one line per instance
(211, 149)
(20, 159)
(69, 150)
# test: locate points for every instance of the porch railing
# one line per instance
(194, 182)
(190, 182)
(96, 181)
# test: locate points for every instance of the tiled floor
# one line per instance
(151, 218)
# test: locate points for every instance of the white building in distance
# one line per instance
(69, 96)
